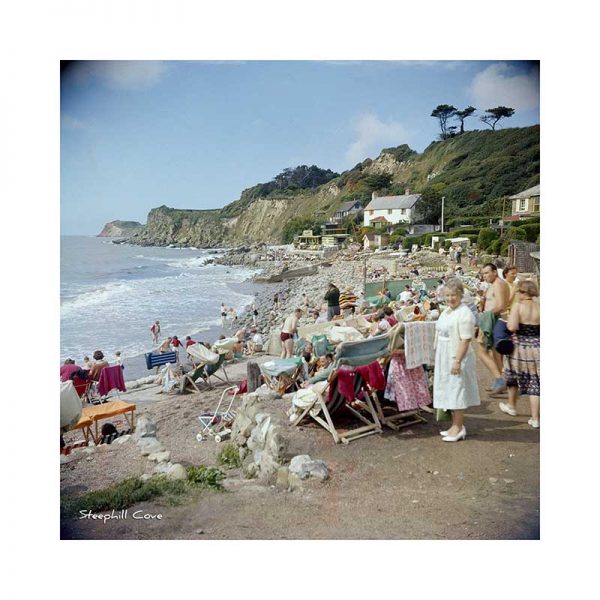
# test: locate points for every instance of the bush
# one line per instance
(408, 241)
(532, 231)
(229, 457)
(494, 247)
(206, 477)
(516, 233)
(486, 237)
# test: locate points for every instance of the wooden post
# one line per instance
(253, 375)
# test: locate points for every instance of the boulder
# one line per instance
(150, 446)
(177, 471)
(297, 463)
(160, 457)
(144, 427)
(282, 478)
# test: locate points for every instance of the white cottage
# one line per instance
(525, 204)
(395, 209)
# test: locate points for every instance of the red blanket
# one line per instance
(111, 378)
(372, 375)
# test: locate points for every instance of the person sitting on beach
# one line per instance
(87, 363)
(405, 295)
(256, 342)
(69, 367)
(288, 331)
(119, 359)
(99, 364)
(324, 369)
(389, 316)
(310, 360)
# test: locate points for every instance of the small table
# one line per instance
(91, 415)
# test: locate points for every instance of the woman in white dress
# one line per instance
(455, 377)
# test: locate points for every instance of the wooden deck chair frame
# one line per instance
(204, 377)
(370, 427)
(274, 382)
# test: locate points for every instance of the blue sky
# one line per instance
(139, 134)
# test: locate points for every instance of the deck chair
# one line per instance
(111, 378)
(202, 374)
(331, 400)
(281, 374)
(82, 387)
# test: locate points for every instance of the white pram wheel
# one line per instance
(199, 437)
(217, 438)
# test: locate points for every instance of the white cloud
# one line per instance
(123, 74)
(69, 122)
(500, 85)
(373, 135)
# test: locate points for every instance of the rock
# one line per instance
(132, 385)
(145, 477)
(242, 425)
(67, 458)
(251, 470)
(177, 471)
(492, 480)
(266, 394)
(509, 481)
(316, 468)
(162, 468)
(160, 456)
(144, 427)
(150, 446)
(282, 478)
(243, 452)
(297, 463)
(88, 450)
(294, 482)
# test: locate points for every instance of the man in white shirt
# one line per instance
(256, 343)
(406, 295)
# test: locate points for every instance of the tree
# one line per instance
(461, 115)
(495, 114)
(443, 112)
(430, 206)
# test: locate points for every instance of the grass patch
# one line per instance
(229, 457)
(131, 491)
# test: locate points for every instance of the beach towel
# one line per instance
(111, 378)
(344, 334)
(202, 354)
(373, 375)
(225, 346)
(419, 339)
(345, 384)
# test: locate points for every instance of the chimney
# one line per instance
(407, 191)
(373, 196)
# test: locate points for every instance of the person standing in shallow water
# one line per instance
(155, 332)
(455, 376)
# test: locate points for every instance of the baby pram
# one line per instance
(217, 424)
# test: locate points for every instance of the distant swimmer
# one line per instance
(155, 332)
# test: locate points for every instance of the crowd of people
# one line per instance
(469, 326)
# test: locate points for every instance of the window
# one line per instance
(522, 204)
(371, 212)
(389, 211)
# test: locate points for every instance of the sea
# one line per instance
(110, 294)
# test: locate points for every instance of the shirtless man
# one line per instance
(287, 334)
(496, 300)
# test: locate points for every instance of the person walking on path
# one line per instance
(495, 303)
(455, 376)
(333, 301)
(155, 332)
(522, 367)
(286, 336)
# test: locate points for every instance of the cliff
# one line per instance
(472, 171)
(120, 229)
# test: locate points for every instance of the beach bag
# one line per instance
(320, 344)
(503, 343)
(441, 414)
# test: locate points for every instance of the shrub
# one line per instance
(494, 247)
(206, 477)
(532, 231)
(486, 237)
(516, 233)
(229, 457)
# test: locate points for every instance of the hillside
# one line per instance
(120, 229)
(474, 171)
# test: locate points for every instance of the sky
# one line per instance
(193, 134)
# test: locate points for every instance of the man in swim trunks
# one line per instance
(495, 300)
(287, 333)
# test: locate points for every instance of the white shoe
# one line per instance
(461, 435)
(444, 433)
(535, 424)
(506, 408)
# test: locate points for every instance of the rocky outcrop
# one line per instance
(120, 229)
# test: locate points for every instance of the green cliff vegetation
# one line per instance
(475, 171)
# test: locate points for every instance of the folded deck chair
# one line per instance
(282, 373)
(201, 355)
(202, 374)
(70, 406)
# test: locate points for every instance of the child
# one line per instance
(119, 359)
